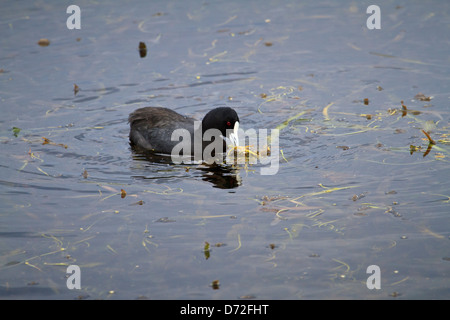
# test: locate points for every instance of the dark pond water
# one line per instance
(358, 183)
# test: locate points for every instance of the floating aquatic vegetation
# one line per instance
(239, 243)
(167, 191)
(249, 153)
(265, 200)
(48, 141)
(206, 250)
(429, 137)
(16, 131)
(430, 145)
(284, 210)
(404, 109)
(325, 111)
(110, 249)
(280, 94)
(285, 123)
(413, 149)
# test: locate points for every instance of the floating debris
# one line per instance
(142, 49)
(123, 193)
(85, 174)
(219, 244)
(393, 212)
(75, 89)
(165, 220)
(215, 284)
(43, 42)
(356, 197)
(421, 97)
(366, 101)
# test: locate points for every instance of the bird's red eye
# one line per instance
(228, 123)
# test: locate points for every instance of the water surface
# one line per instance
(356, 185)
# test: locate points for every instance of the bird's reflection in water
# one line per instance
(220, 175)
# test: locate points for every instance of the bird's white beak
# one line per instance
(234, 135)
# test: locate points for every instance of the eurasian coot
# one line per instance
(151, 128)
